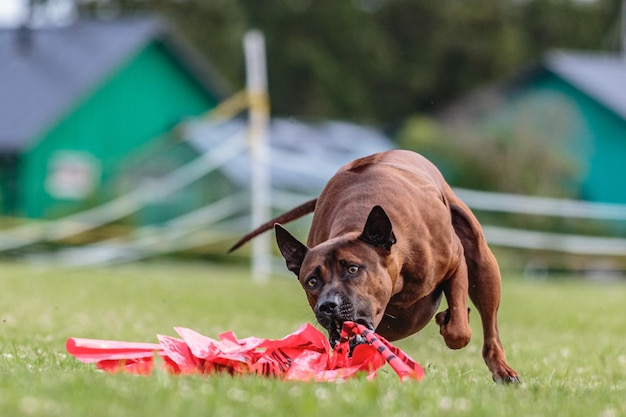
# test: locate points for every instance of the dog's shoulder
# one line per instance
(398, 158)
(397, 163)
(361, 164)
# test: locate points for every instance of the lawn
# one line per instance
(566, 337)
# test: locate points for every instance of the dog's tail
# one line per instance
(291, 215)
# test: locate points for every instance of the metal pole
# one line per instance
(254, 46)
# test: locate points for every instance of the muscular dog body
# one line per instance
(388, 239)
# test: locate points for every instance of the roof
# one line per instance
(302, 156)
(601, 76)
(41, 79)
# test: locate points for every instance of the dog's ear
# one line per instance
(293, 251)
(378, 230)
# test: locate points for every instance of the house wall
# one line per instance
(149, 95)
(597, 137)
(8, 184)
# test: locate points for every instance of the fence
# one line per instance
(230, 216)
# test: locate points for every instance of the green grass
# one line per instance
(567, 339)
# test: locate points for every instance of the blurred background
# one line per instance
(124, 124)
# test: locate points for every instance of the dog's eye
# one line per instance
(353, 269)
(311, 282)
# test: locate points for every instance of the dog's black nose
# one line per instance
(329, 305)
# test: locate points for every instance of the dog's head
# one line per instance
(346, 278)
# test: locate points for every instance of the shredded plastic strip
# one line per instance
(304, 355)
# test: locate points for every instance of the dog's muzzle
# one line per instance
(332, 310)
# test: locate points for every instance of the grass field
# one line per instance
(567, 339)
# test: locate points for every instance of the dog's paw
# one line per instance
(506, 375)
(509, 379)
(442, 318)
(456, 333)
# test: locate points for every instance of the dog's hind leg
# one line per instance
(484, 290)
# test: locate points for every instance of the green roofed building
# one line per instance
(75, 100)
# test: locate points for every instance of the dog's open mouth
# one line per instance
(335, 326)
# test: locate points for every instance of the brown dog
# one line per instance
(388, 238)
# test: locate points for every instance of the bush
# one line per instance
(512, 153)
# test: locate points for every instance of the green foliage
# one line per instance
(382, 60)
(565, 338)
(509, 157)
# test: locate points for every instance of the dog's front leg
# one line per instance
(454, 321)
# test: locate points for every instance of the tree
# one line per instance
(381, 60)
